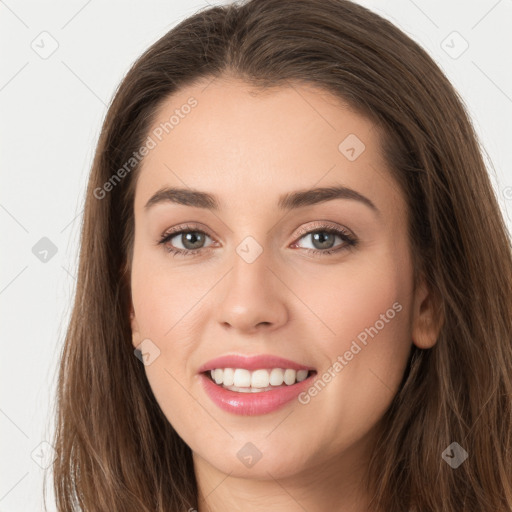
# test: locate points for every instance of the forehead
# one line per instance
(239, 143)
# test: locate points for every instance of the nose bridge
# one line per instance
(251, 294)
(250, 272)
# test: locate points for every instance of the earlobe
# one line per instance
(427, 319)
(135, 328)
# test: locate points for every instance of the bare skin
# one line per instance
(247, 150)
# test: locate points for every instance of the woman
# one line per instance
(289, 222)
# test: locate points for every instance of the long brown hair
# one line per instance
(116, 450)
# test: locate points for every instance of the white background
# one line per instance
(51, 113)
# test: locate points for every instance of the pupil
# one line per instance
(194, 238)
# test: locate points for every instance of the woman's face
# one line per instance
(252, 284)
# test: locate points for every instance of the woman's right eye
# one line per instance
(190, 238)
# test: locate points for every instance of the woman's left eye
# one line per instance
(193, 239)
(324, 238)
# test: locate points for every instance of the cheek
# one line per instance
(358, 299)
(369, 342)
(161, 301)
(161, 294)
(161, 315)
(366, 347)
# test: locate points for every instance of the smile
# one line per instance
(249, 400)
(245, 381)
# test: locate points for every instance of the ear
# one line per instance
(135, 328)
(427, 317)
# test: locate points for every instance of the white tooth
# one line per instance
(289, 376)
(228, 376)
(301, 375)
(242, 378)
(276, 377)
(259, 379)
(218, 375)
(240, 390)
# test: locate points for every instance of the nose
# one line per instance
(253, 296)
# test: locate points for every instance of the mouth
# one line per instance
(254, 384)
(241, 380)
(262, 391)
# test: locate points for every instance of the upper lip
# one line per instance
(255, 362)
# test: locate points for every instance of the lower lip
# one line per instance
(251, 404)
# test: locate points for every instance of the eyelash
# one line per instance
(350, 241)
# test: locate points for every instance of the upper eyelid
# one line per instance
(325, 225)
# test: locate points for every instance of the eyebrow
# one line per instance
(288, 201)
